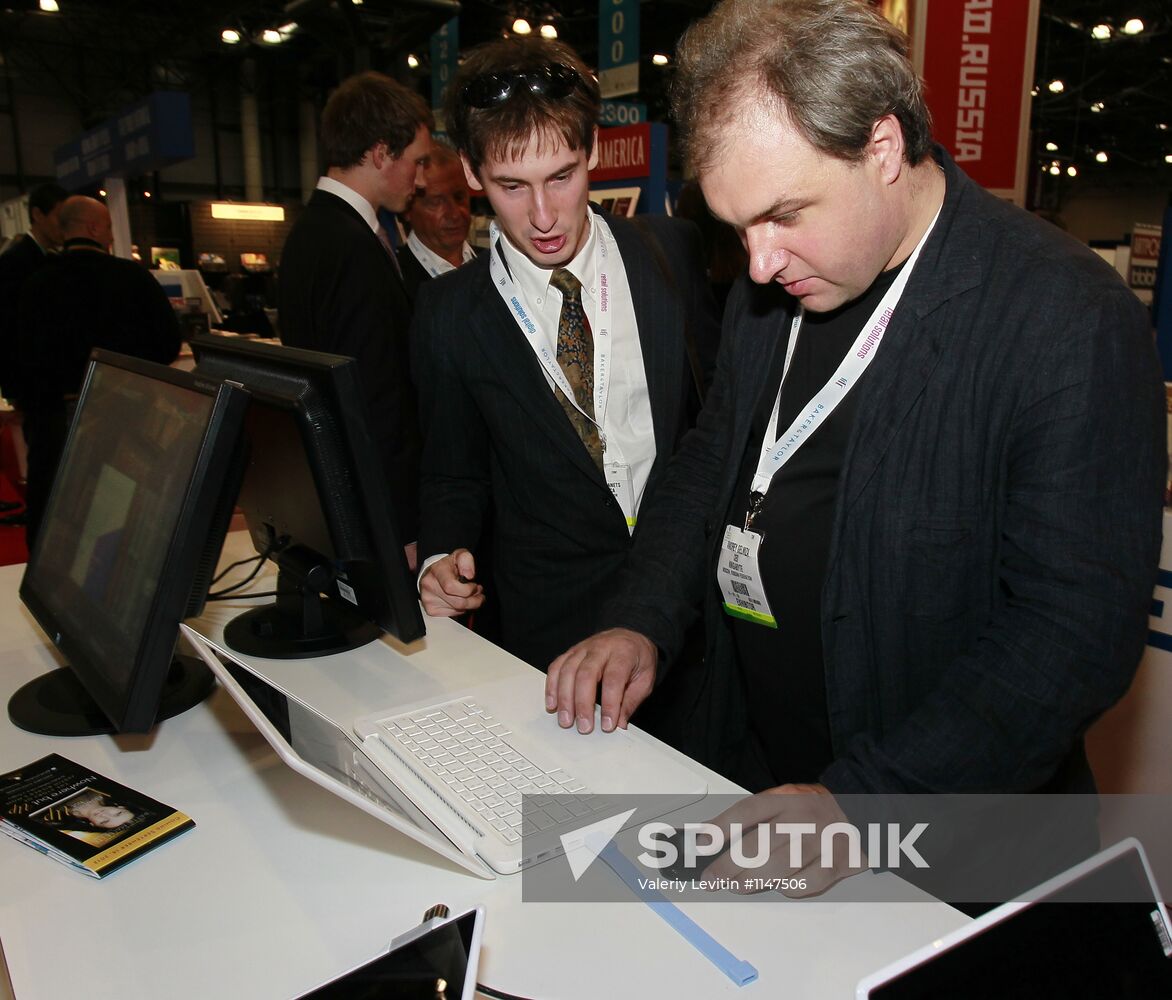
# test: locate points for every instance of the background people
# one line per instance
(340, 289)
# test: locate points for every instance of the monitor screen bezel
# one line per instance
(335, 378)
(133, 706)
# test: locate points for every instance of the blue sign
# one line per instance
(618, 47)
(445, 47)
(622, 113)
(153, 133)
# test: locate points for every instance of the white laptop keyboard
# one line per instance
(462, 748)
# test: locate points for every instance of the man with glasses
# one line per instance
(339, 288)
(553, 371)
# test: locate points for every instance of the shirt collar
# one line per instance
(533, 281)
(351, 198)
(432, 260)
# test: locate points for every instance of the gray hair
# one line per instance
(833, 67)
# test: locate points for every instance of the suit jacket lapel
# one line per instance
(911, 348)
(503, 347)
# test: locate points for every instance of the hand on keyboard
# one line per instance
(621, 661)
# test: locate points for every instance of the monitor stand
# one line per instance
(57, 703)
(301, 623)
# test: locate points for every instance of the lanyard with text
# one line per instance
(738, 572)
(540, 344)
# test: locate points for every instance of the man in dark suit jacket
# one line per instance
(17, 264)
(439, 214)
(946, 545)
(339, 289)
(562, 480)
(84, 298)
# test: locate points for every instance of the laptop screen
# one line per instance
(1066, 945)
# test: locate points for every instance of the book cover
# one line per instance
(82, 819)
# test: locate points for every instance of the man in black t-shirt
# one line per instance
(922, 506)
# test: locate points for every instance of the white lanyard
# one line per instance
(776, 451)
(540, 344)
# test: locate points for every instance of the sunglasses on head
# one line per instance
(491, 89)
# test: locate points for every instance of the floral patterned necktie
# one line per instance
(576, 359)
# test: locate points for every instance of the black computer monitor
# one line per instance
(317, 502)
(130, 537)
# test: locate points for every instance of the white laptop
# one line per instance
(439, 958)
(451, 774)
(1060, 940)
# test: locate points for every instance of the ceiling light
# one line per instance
(413, 60)
(1051, 147)
(521, 27)
(1033, 92)
(49, 6)
(1168, 157)
(1056, 86)
(549, 31)
(272, 36)
(1055, 169)
(1101, 157)
(659, 59)
(230, 36)
(1098, 106)
(1163, 126)
(1072, 171)
(1133, 27)
(1101, 32)
(102, 192)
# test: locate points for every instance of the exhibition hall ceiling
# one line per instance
(101, 54)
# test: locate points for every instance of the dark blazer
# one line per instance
(997, 524)
(17, 264)
(414, 273)
(498, 442)
(338, 291)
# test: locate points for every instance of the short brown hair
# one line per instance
(835, 67)
(505, 129)
(365, 110)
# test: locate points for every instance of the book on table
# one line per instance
(82, 819)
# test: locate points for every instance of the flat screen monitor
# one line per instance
(317, 502)
(130, 537)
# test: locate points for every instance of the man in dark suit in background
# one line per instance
(84, 298)
(19, 262)
(339, 289)
(438, 215)
(553, 371)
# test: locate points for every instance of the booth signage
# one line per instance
(445, 47)
(152, 133)
(622, 113)
(618, 47)
(978, 64)
(623, 153)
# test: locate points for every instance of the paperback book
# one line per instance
(82, 819)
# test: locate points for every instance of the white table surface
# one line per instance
(282, 885)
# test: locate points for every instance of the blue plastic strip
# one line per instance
(738, 970)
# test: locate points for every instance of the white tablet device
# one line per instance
(437, 959)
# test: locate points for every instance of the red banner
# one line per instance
(978, 60)
(623, 153)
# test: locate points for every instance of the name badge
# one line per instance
(740, 578)
(618, 478)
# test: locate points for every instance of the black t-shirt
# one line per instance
(783, 667)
